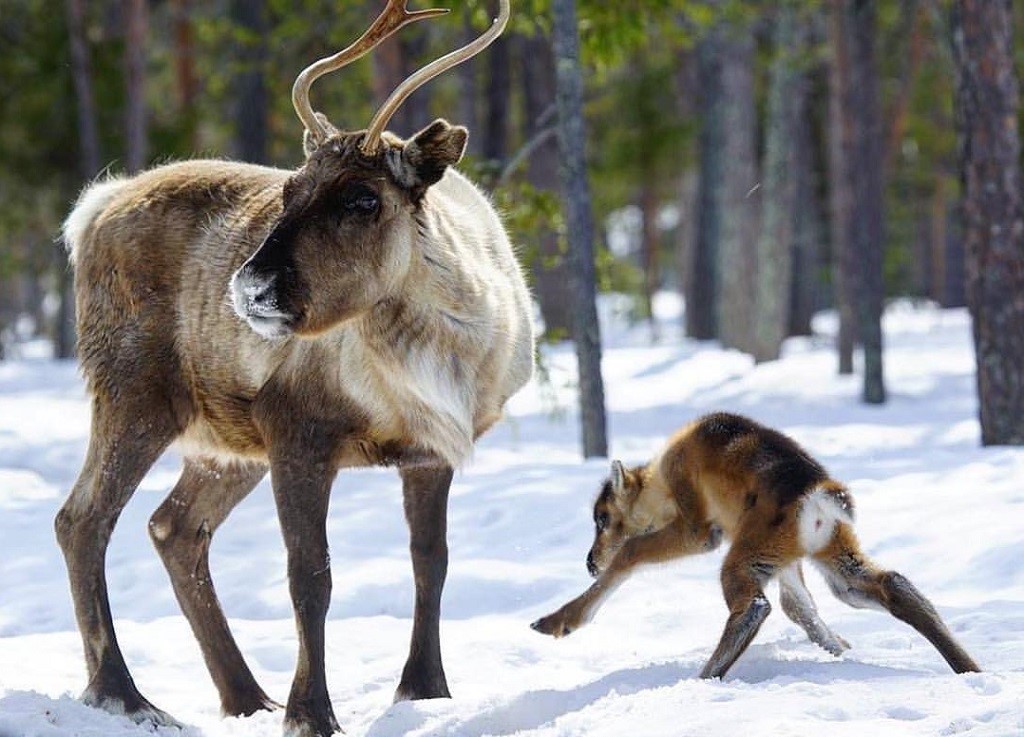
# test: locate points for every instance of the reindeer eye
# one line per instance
(360, 199)
(601, 521)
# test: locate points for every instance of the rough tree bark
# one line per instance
(550, 272)
(737, 247)
(840, 146)
(987, 106)
(498, 98)
(688, 94)
(868, 208)
(702, 272)
(808, 247)
(579, 220)
(787, 91)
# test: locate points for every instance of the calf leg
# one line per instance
(673, 541)
(122, 447)
(858, 582)
(302, 488)
(744, 575)
(798, 604)
(181, 530)
(425, 495)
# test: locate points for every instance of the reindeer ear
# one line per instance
(618, 478)
(311, 141)
(424, 158)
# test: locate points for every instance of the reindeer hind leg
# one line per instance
(182, 529)
(799, 606)
(858, 582)
(124, 443)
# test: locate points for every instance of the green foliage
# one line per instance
(642, 118)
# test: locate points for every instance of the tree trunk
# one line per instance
(702, 274)
(579, 222)
(415, 112)
(184, 68)
(468, 88)
(687, 192)
(550, 270)
(868, 206)
(135, 85)
(251, 103)
(498, 98)
(688, 93)
(987, 107)
(786, 93)
(808, 251)
(89, 163)
(649, 247)
(737, 248)
(840, 149)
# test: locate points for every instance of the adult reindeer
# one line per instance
(365, 309)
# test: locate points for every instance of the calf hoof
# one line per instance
(553, 624)
(835, 645)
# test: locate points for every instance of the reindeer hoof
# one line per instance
(134, 706)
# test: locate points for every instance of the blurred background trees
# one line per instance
(765, 159)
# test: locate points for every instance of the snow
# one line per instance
(930, 503)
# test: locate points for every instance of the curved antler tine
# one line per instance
(419, 78)
(391, 19)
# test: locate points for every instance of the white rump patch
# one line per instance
(93, 200)
(819, 513)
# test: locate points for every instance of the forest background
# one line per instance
(767, 160)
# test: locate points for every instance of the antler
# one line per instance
(419, 78)
(391, 19)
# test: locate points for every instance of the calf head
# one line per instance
(619, 514)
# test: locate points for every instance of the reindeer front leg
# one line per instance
(425, 493)
(301, 491)
(673, 541)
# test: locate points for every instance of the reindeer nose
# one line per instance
(253, 293)
(259, 292)
(591, 566)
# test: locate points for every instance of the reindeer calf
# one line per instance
(725, 474)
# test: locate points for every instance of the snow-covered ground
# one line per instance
(931, 504)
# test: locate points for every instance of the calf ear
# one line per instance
(618, 477)
(424, 158)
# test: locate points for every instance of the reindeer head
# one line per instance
(626, 507)
(346, 235)
(614, 521)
